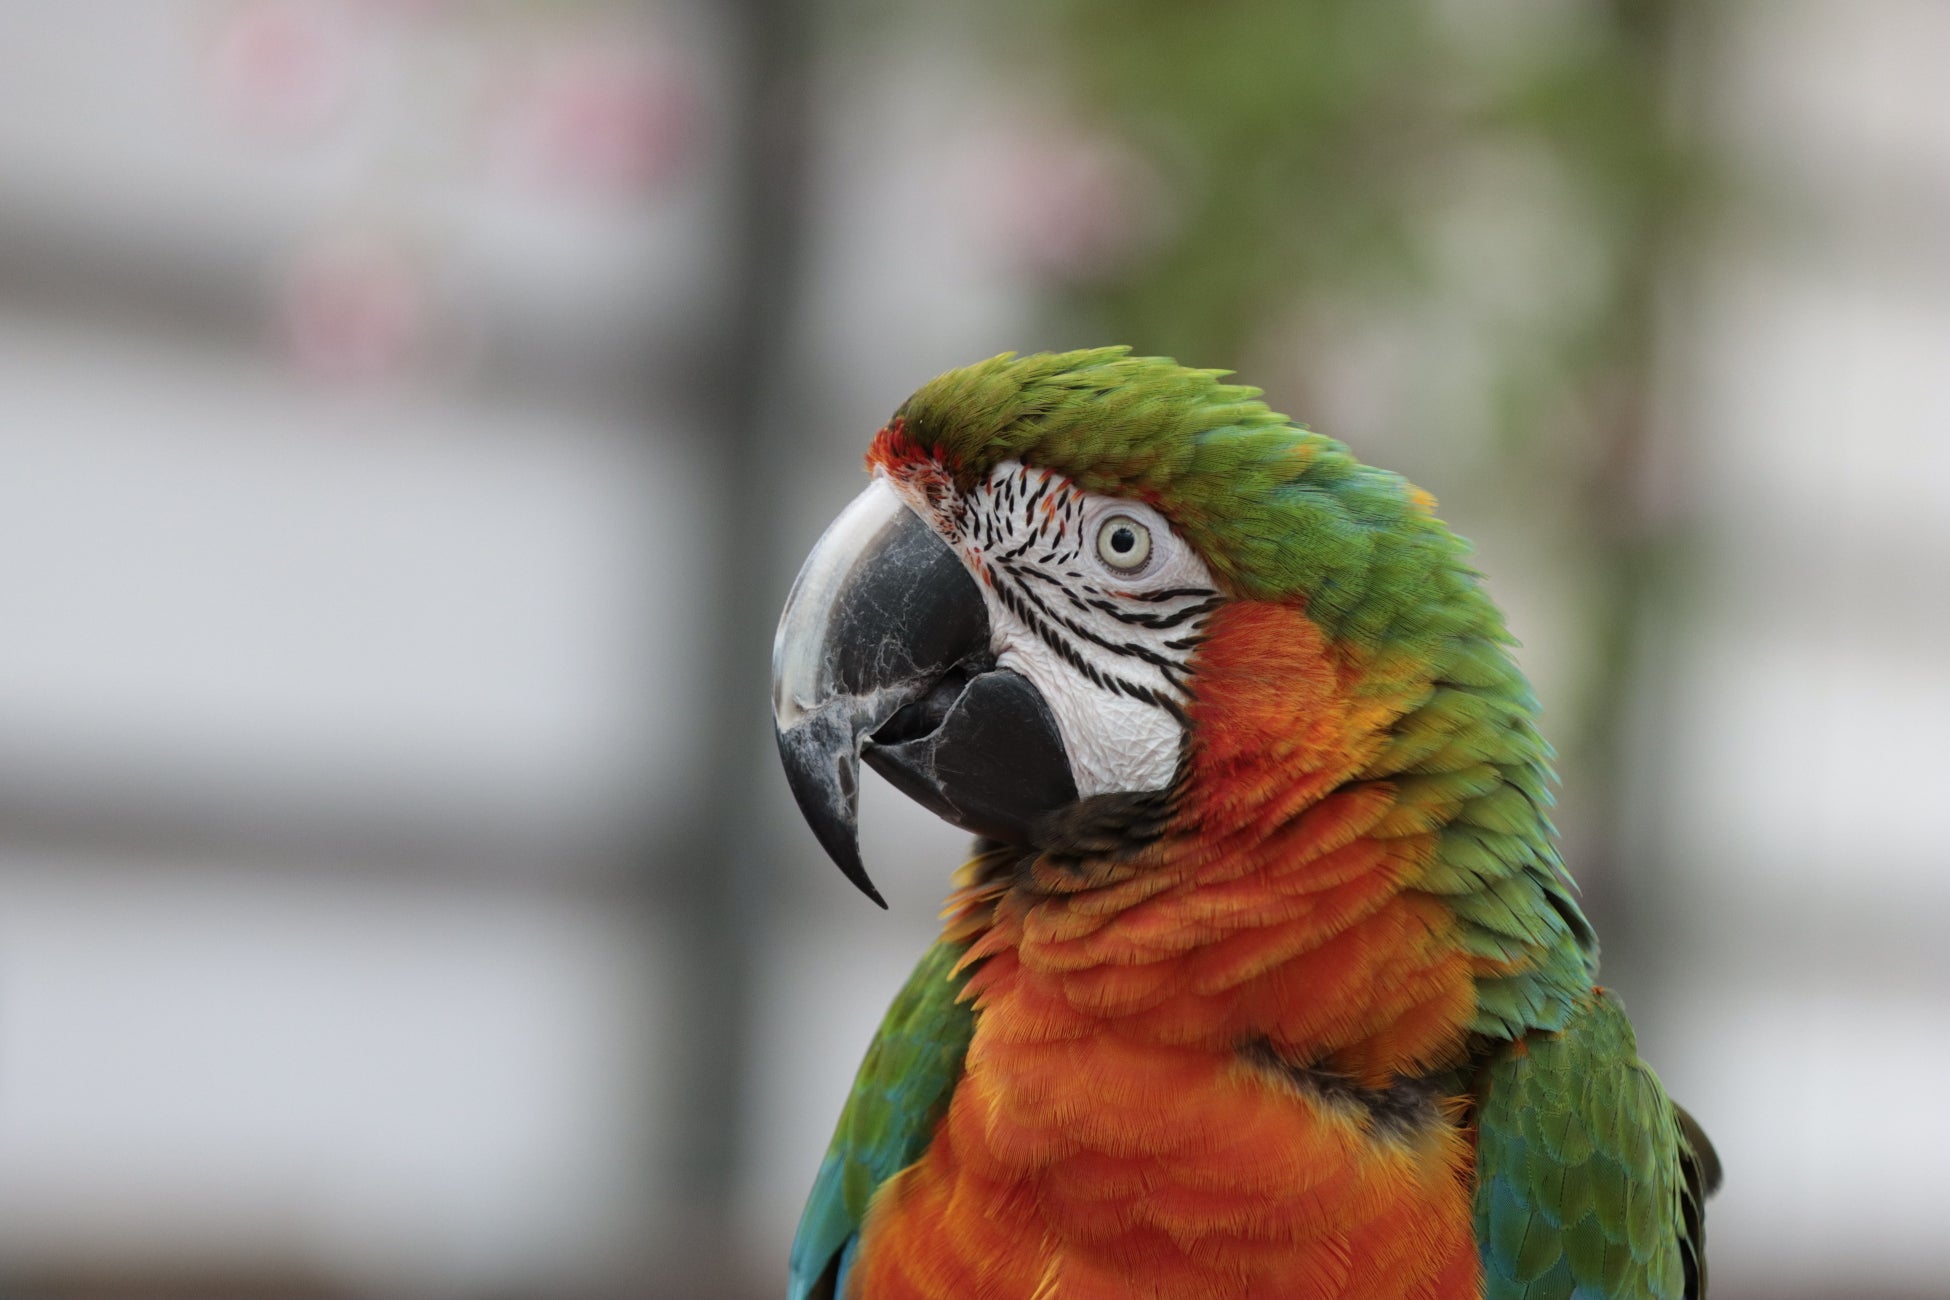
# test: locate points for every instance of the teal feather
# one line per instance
(1585, 1170)
(899, 1096)
(1589, 1179)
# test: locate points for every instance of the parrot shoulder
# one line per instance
(898, 1098)
(1589, 1179)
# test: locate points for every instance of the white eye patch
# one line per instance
(1099, 603)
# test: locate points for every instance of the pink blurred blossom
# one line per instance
(600, 120)
(1066, 202)
(355, 311)
(283, 67)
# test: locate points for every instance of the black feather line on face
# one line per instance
(1159, 622)
(1127, 649)
(1054, 542)
(1017, 600)
(1030, 504)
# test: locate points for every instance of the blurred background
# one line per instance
(412, 413)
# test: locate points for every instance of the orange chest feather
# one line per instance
(1197, 1074)
(1078, 1164)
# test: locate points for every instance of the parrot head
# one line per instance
(1090, 600)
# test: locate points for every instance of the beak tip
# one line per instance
(822, 770)
(843, 846)
(846, 856)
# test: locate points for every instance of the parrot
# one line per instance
(1264, 977)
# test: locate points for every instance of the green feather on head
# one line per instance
(1280, 513)
(1584, 1178)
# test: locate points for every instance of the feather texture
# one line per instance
(1589, 1179)
(899, 1095)
(1234, 1038)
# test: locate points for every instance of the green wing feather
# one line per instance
(1590, 1181)
(898, 1097)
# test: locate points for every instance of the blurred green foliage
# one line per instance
(1509, 186)
(1307, 148)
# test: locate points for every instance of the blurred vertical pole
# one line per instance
(1635, 526)
(721, 863)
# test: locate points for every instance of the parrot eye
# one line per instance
(1123, 543)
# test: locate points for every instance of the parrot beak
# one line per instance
(883, 653)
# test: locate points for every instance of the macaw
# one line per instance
(1264, 978)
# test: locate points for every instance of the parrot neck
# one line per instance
(1302, 896)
